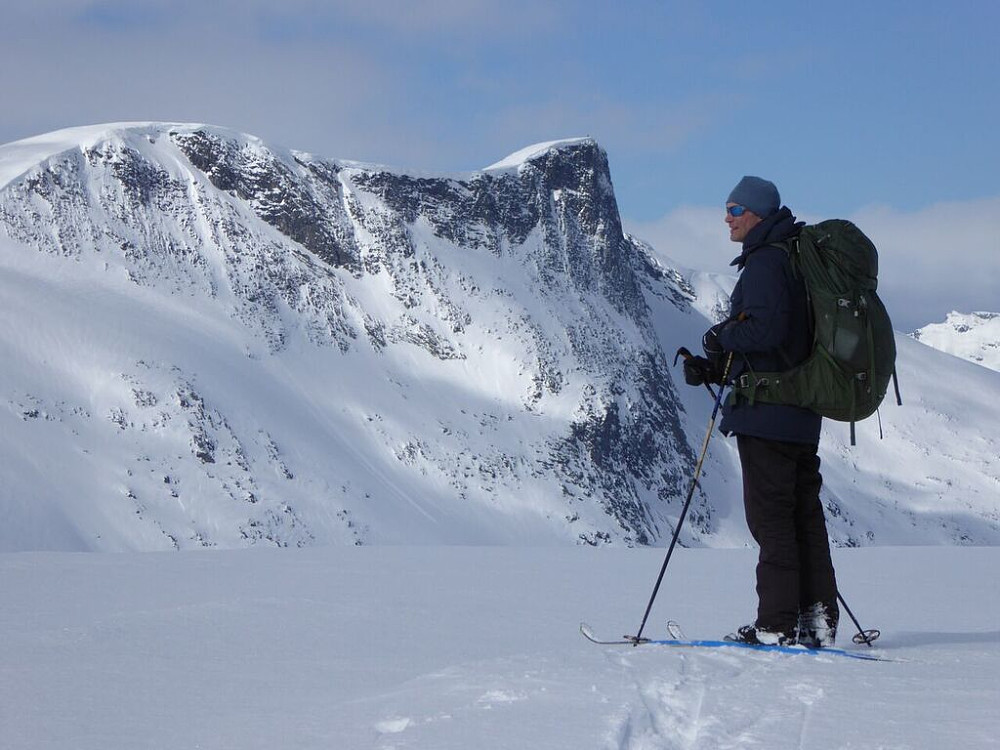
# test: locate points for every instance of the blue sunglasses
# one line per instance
(735, 211)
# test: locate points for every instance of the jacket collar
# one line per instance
(777, 227)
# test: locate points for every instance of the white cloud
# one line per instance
(691, 236)
(336, 100)
(932, 261)
(352, 80)
(571, 106)
(942, 258)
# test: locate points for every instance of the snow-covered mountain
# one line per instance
(973, 336)
(215, 342)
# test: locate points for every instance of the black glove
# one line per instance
(699, 370)
(711, 344)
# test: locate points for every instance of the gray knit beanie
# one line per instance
(757, 195)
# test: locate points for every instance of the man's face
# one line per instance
(740, 226)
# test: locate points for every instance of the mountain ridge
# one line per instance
(226, 344)
(217, 230)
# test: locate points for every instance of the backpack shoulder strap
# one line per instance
(791, 247)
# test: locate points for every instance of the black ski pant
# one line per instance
(781, 483)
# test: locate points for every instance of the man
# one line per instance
(769, 330)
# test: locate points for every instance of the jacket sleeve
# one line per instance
(765, 303)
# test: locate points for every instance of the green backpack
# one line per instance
(853, 355)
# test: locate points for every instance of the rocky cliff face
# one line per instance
(488, 337)
(214, 342)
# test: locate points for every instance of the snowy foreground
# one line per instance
(448, 647)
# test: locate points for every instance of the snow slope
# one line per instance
(214, 343)
(973, 336)
(226, 345)
(925, 472)
(450, 648)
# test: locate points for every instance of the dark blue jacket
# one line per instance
(775, 336)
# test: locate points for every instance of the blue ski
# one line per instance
(794, 650)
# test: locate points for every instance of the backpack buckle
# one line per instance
(747, 383)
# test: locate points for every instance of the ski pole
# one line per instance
(637, 638)
(867, 637)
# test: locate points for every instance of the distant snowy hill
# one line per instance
(215, 342)
(974, 336)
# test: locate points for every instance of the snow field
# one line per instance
(457, 647)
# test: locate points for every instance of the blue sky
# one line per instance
(852, 108)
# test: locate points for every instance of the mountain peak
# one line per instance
(973, 336)
(539, 150)
(19, 157)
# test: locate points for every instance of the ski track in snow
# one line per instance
(681, 712)
(696, 701)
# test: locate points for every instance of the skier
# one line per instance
(768, 330)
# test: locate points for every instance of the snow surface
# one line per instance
(515, 160)
(20, 156)
(451, 648)
(973, 336)
(435, 646)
